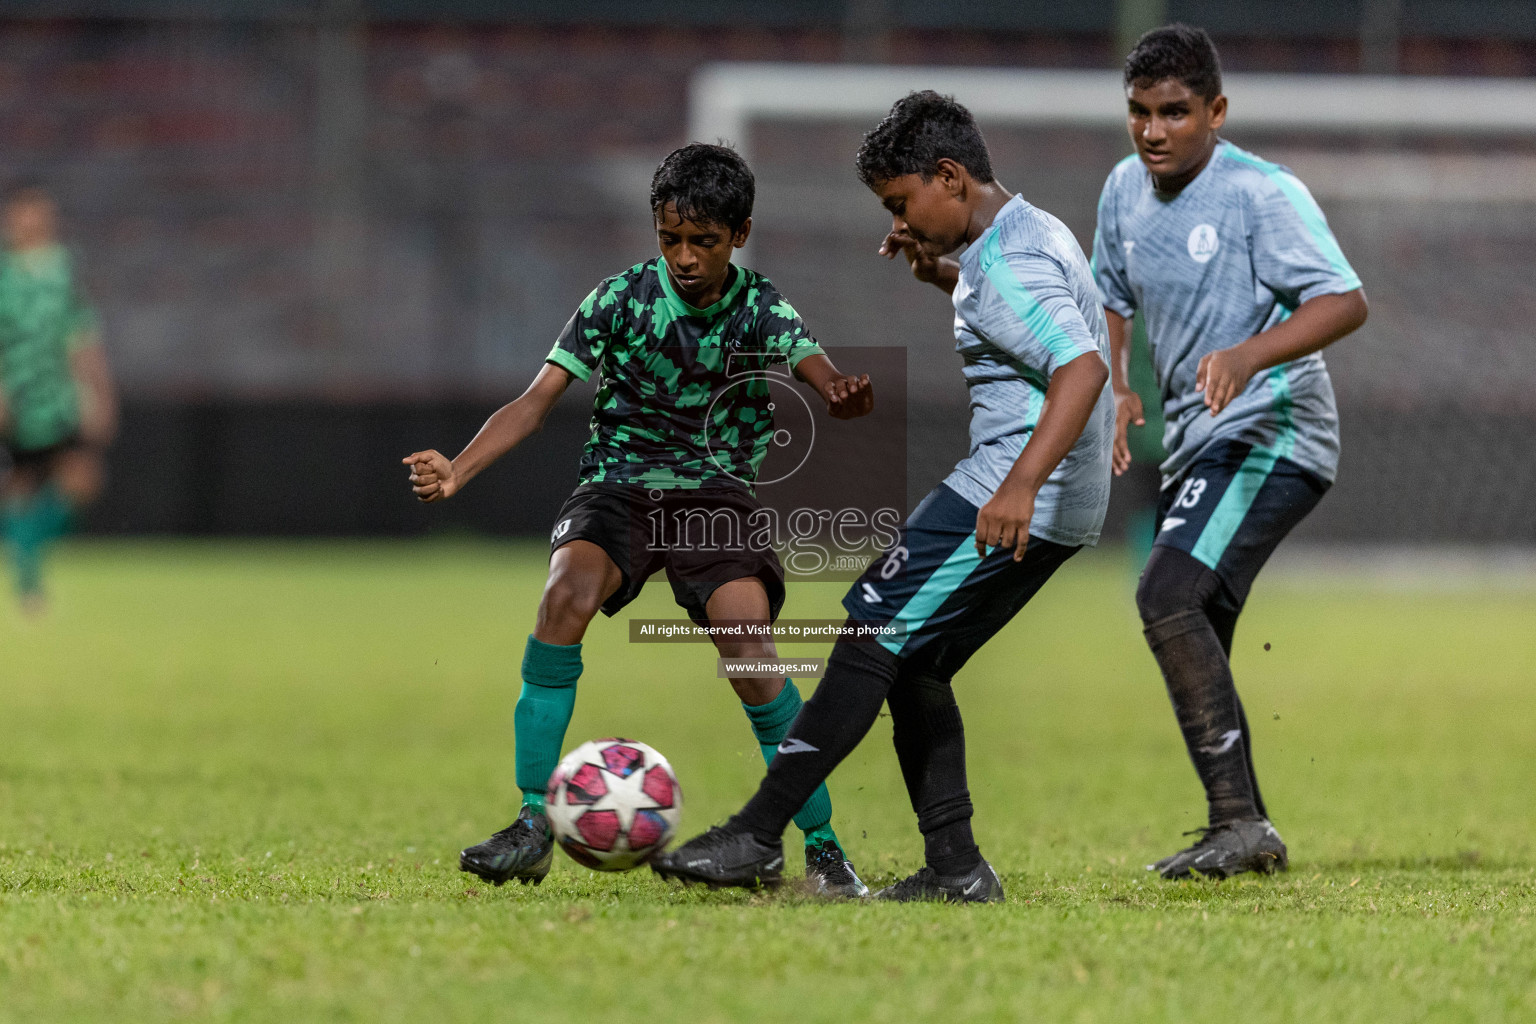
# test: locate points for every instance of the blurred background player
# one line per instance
(58, 409)
(1241, 284)
(1033, 490)
(678, 435)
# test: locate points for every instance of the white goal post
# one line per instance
(725, 100)
(1316, 120)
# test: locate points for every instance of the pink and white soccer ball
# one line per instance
(613, 804)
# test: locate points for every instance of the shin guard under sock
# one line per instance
(930, 745)
(1253, 777)
(829, 726)
(543, 712)
(31, 524)
(770, 724)
(1199, 680)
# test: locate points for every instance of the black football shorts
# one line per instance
(703, 537)
(1232, 507)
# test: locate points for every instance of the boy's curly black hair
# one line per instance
(1176, 51)
(922, 129)
(705, 184)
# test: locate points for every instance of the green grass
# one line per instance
(234, 778)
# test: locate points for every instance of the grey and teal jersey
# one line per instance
(683, 398)
(1025, 306)
(1233, 254)
(43, 318)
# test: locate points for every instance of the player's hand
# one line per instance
(1003, 522)
(432, 476)
(925, 266)
(1222, 375)
(849, 397)
(1127, 412)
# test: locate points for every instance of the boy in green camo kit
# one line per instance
(57, 407)
(680, 426)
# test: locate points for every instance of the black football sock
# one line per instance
(829, 726)
(1199, 680)
(1253, 776)
(930, 744)
(1223, 615)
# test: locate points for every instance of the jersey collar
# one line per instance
(681, 306)
(1007, 210)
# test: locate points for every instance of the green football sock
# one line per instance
(543, 712)
(770, 723)
(30, 524)
(13, 523)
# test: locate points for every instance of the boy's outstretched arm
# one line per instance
(847, 397)
(1003, 522)
(434, 477)
(1316, 324)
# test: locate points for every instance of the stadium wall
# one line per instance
(302, 467)
(355, 239)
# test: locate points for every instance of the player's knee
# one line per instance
(81, 478)
(863, 658)
(1158, 598)
(755, 692)
(1170, 585)
(19, 483)
(733, 647)
(569, 602)
(920, 694)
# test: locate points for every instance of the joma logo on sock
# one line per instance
(797, 747)
(1228, 738)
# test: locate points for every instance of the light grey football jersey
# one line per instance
(1025, 306)
(1230, 256)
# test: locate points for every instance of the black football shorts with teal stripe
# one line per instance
(942, 599)
(1233, 507)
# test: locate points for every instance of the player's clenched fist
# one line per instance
(432, 476)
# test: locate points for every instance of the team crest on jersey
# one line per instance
(1203, 243)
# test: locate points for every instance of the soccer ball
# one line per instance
(613, 804)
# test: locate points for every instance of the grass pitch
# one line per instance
(234, 780)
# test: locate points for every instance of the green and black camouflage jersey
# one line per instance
(683, 395)
(42, 318)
